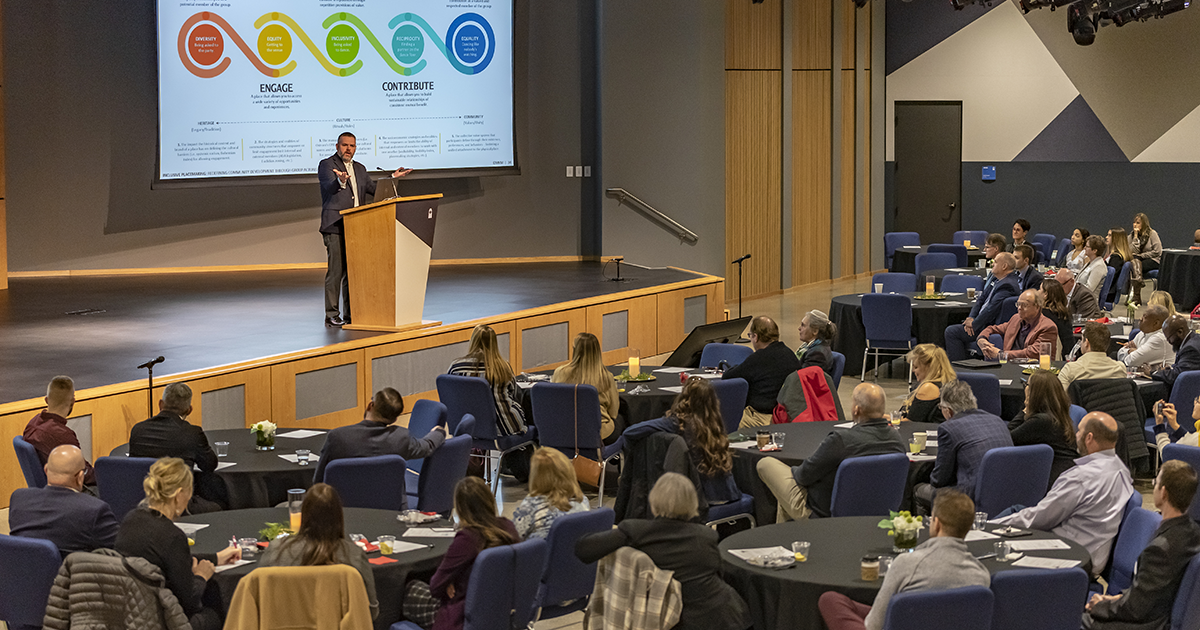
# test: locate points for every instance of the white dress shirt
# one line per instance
(1151, 348)
(1084, 505)
(351, 182)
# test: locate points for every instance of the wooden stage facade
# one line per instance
(252, 346)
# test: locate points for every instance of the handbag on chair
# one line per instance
(587, 471)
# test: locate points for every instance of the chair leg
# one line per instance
(863, 377)
(603, 472)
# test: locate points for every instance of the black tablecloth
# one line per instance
(905, 258)
(260, 478)
(389, 578)
(1012, 394)
(649, 405)
(929, 324)
(787, 598)
(1179, 275)
(801, 442)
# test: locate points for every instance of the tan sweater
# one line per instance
(609, 403)
(282, 597)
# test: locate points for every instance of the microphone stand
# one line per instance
(739, 262)
(149, 365)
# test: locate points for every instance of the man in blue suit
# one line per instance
(61, 512)
(1001, 285)
(344, 185)
(1028, 277)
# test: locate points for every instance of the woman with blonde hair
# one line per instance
(932, 368)
(587, 368)
(149, 532)
(1163, 299)
(1146, 249)
(483, 360)
(553, 491)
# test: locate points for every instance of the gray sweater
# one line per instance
(938, 563)
(279, 554)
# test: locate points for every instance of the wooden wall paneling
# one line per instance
(849, 40)
(642, 326)
(865, 26)
(847, 209)
(257, 393)
(670, 313)
(864, 161)
(576, 320)
(753, 165)
(812, 120)
(283, 391)
(753, 35)
(812, 35)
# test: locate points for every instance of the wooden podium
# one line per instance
(388, 245)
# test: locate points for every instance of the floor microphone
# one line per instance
(151, 363)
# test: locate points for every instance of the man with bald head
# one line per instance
(1080, 302)
(1187, 350)
(1086, 502)
(49, 429)
(1000, 285)
(61, 512)
(1150, 346)
(808, 488)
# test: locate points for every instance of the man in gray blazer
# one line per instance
(378, 435)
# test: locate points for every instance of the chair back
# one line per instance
(119, 482)
(986, 388)
(568, 418)
(357, 481)
(887, 319)
(1013, 475)
(1183, 392)
(443, 469)
(1064, 248)
(1077, 414)
(31, 466)
(967, 608)
(30, 565)
(1045, 242)
(1189, 454)
(960, 282)
(894, 282)
(337, 583)
(732, 393)
(871, 485)
(958, 249)
(1108, 280)
(1055, 599)
(895, 240)
(1137, 530)
(426, 414)
(1186, 611)
(963, 235)
(565, 578)
(503, 585)
(839, 368)
(929, 262)
(1008, 308)
(730, 353)
(1123, 281)
(464, 395)
(978, 238)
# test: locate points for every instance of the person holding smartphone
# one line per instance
(1167, 429)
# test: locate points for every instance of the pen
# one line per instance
(985, 556)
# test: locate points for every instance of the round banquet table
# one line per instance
(389, 578)
(258, 478)
(904, 260)
(929, 324)
(1179, 275)
(787, 598)
(801, 442)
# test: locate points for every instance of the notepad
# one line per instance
(1005, 382)
(1035, 545)
(401, 546)
(746, 554)
(746, 444)
(672, 370)
(921, 458)
(224, 465)
(226, 567)
(979, 534)
(429, 532)
(190, 528)
(844, 425)
(675, 389)
(302, 433)
(524, 385)
(1034, 562)
(291, 457)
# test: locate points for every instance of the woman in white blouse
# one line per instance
(1074, 258)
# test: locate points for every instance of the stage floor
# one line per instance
(97, 329)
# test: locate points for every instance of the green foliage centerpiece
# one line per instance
(903, 528)
(264, 435)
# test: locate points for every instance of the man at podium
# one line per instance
(344, 184)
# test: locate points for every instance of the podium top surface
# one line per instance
(385, 202)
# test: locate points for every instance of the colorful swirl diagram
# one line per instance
(469, 44)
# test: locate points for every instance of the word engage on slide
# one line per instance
(469, 45)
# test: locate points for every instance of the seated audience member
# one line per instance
(1095, 270)
(48, 430)
(1054, 308)
(932, 368)
(1075, 258)
(1115, 256)
(1020, 232)
(1094, 363)
(696, 415)
(963, 439)
(764, 371)
(1080, 301)
(816, 341)
(61, 512)
(940, 563)
(483, 360)
(1163, 299)
(322, 541)
(1146, 249)
(1147, 603)
(677, 544)
(1028, 277)
(377, 434)
(1086, 503)
(1046, 419)
(441, 604)
(553, 491)
(1024, 333)
(808, 488)
(1149, 346)
(587, 368)
(169, 434)
(1167, 429)
(1186, 344)
(1001, 285)
(994, 245)
(149, 532)
(1195, 240)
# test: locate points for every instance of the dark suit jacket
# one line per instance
(962, 442)
(1187, 359)
(1147, 604)
(817, 473)
(987, 307)
(1083, 302)
(75, 521)
(335, 198)
(1031, 279)
(168, 435)
(369, 438)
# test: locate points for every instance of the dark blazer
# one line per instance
(1146, 605)
(75, 521)
(1187, 359)
(1066, 331)
(168, 435)
(765, 371)
(147, 534)
(1083, 302)
(819, 354)
(962, 442)
(1031, 279)
(987, 307)
(817, 473)
(688, 549)
(335, 198)
(369, 438)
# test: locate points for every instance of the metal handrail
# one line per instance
(650, 212)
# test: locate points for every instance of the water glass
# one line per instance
(302, 456)
(922, 439)
(777, 437)
(970, 293)
(1003, 357)
(1127, 329)
(981, 263)
(249, 548)
(295, 499)
(914, 446)
(800, 549)
(222, 448)
(387, 545)
(879, 287)
(885, 563)
(980, 520)
(1002, 549)
(897, 416)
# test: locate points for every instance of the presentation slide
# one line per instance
(253, 88)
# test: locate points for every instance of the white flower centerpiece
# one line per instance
(903, 527)
(264, 435)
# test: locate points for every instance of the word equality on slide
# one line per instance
(264, 87)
